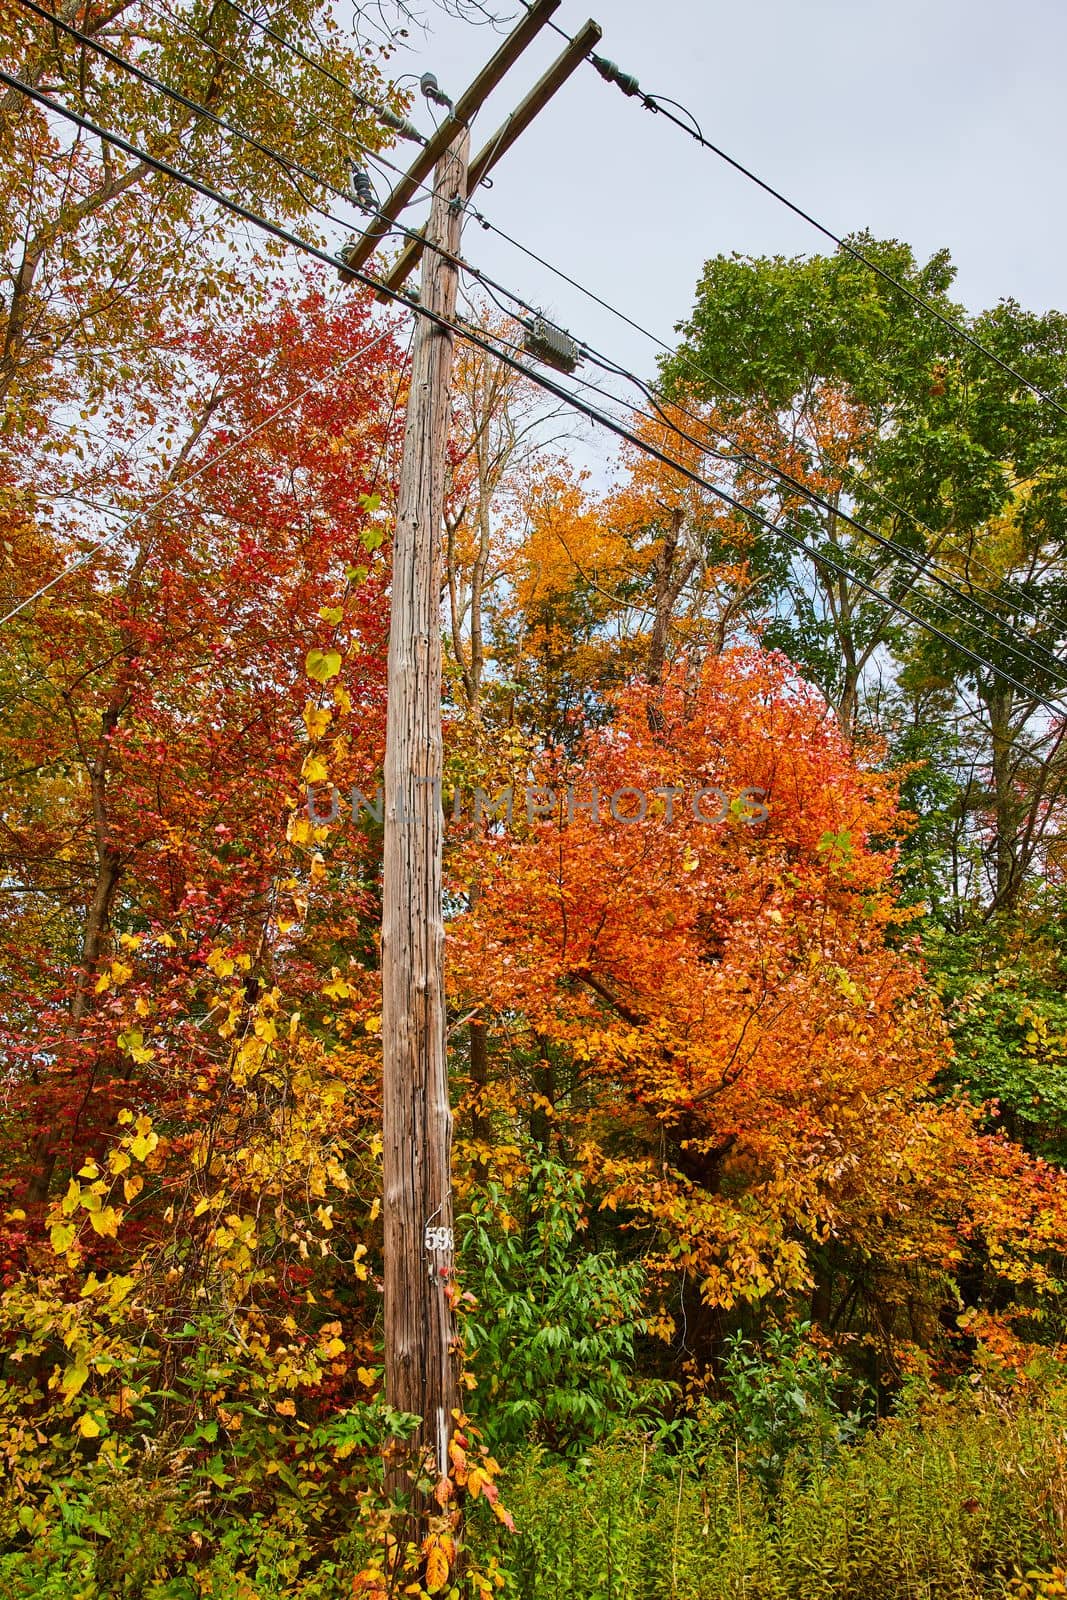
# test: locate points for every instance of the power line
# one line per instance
(1028, 606)
(657, 103)
(924, 567)
(243, 69)
(288, 165)
(286, 236)
(398, 124)
(927, 564)
(1048, 669)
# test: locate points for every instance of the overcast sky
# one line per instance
(941, 122)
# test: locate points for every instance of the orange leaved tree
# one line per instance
(691, 923)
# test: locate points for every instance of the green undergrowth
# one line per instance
(961, 1499)
(950, 1505)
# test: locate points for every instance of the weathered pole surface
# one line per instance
(420, 1363)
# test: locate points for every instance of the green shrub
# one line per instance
(551, 1342)
(786, 1400)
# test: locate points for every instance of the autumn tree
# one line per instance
(97, 249)
(925, 435)
(705, 936)
(156, 695)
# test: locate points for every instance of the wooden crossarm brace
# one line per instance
(585, 40)
(468, 103)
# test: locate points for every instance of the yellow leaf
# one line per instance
(221, 965)
(117, 1289)
(369, 1579)
(373, 1024)
(102, 983)
(74, 1378)
(298, 831)
(62, 1236)
(436, 1568)
(322, 665)
(502, 1514)
(106, 1222)
(316, 720)
(88, 1427)
(131, 1187)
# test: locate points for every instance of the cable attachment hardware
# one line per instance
(550, 345)
(613, 74)
(346, 252)
(430, 88)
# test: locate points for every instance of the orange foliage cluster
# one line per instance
(751, 1044)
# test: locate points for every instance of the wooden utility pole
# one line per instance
(420, 1375)
(416, 1115)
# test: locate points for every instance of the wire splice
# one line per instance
(550, 345)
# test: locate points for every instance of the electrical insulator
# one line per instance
(613, 74)
(432, 90)
(401, 125)
(360, 189)
(549, 344)
(346, 253)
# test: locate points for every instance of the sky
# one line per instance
(935, 121)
